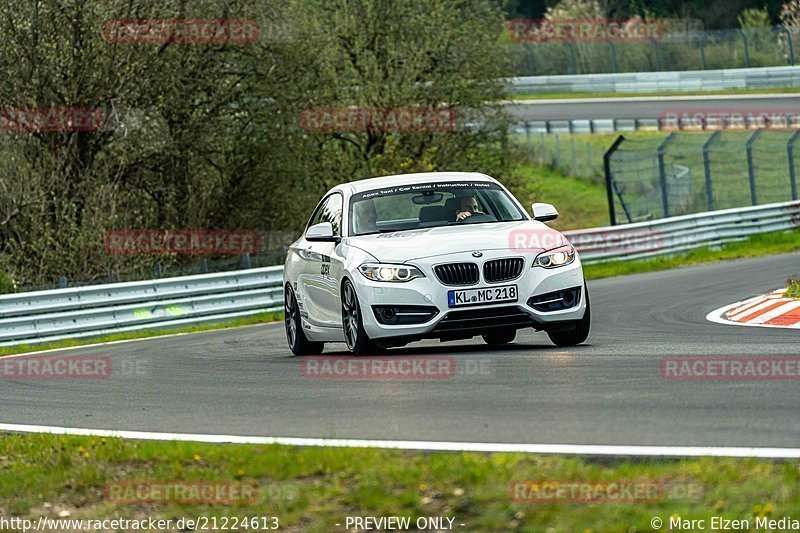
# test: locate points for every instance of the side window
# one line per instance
(330, 210)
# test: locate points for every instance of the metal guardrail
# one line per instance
(639, 82)
(622, 125)
(35, 317)
(665, 236)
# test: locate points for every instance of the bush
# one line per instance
(793, 291)
(7, 284)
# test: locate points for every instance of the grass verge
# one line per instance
(606, 95)
(248, 321)
(580, 203)
(313, 489)
(757, 245)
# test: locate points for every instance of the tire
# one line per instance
(500, 336)
(578, 332)
(298, 343)
(356, 338)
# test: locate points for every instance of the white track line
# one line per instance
(564, 449)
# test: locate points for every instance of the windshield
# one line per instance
(430, 205)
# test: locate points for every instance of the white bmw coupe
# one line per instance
(448, 255)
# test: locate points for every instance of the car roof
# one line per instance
(409, 179)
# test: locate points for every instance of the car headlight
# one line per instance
(555, 258)
(386, 272)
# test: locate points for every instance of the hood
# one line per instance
(525, 236)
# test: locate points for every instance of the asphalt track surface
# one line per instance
(648, 107)
(608, 391)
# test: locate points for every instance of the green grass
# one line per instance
(311, 489)
(580, 204)
(247, 321)
(757, 245)
(606, 95)
(793, 289)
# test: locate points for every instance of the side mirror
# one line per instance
(321, 232)
(544, 212)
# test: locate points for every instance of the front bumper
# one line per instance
(429, 295)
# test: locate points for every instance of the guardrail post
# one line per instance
(784, 29)
(157, 267)
(662, 174)
(750, 170)
(245, 260)
(62, 282)
(707, 168)
(790, 150)
(612, 214)
(746, 49)
(203, 265)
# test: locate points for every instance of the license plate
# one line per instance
(482, 296)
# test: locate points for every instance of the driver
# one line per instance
(467, 207)
(365, 217)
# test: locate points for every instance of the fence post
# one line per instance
(573, 62)
(557, 152)
(528, 140)
(707, 168)
(790, 150)
(750, 171)
(656, 54)
(662, 174)
(701, 42)
(612, 215)
(746, 49)
(613, 57)
(789, 43)
(574, 157)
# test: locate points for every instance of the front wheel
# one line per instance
(298, 342)
(358, 342)
(577, 333)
